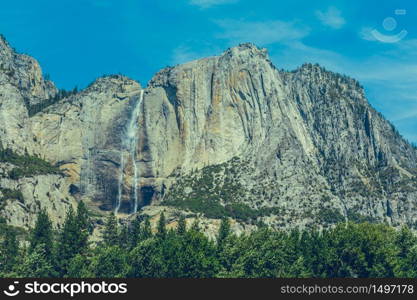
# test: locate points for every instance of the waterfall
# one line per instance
(129, 144)
(87, 176)
(120, 187)
(132, 136)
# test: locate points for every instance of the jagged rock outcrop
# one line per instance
(308, 142)
(49, 192)
(22, 85)
(226, 135)
(83, 135)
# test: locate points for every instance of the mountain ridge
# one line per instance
(229, 134)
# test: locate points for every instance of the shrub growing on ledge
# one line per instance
(213, 209)
(26, 165)
(9, 194)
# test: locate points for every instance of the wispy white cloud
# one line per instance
(208, 3)
(332, 17)
(297, 52)
(183, 54)
(261, 33)
(406, 46)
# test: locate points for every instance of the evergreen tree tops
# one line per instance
(41, 235)
(111, 231)
(73, 238)
(134, 250)
(9, 250)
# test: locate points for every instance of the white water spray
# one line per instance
(119, 194)
(132, 135)
(129, 143)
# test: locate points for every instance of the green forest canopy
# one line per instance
(347, 250)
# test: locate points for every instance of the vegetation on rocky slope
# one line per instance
(26, 165)
(216, 192)
(33, 109)
(9, 194)
(21, 166)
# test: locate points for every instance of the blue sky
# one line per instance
(76, 41)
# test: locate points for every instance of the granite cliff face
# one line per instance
(22, 85)
(305, 142)
(83, 135)
(226, 135)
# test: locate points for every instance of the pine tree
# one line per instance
(147, 259)
(124, 237)
(224, 232)
(134, 233)
(36, 263)
(405, 240)
(298, 269)
(146, 231)
(161, 230)
(182, 226)
(406, 258)
(68, 241)
(84, 229)
(42, 235)
(111, 231)
(9, 251)
(79, 267)
(110, 262)
(83, 217)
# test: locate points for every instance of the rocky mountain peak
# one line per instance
(248, 50)
(246, 54)
(224, 135)
(314, 73)
(117, 83)
(24, 73)
(4, 44)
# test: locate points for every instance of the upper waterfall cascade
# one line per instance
(129, 145)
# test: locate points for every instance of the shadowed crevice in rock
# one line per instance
(147, 193)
